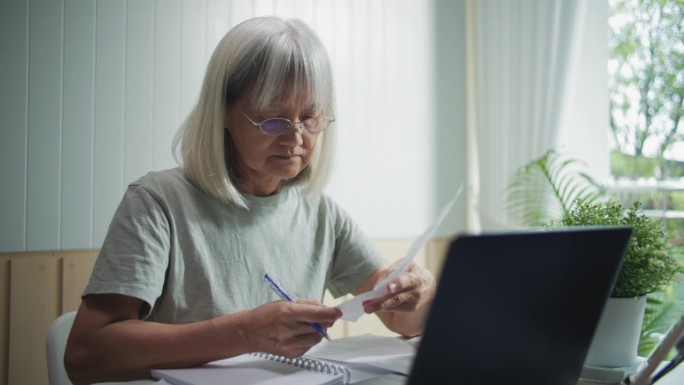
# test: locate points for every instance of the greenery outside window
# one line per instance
(646, 88)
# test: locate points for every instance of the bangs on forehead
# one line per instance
(287, 76)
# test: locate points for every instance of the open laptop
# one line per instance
(519, 307)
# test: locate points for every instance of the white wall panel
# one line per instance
(76, 222)
(139, 85)
(263, 7)
(194, 57)
(167, 80)
(217, 21)
(94, 91)
(13, 125)
(44, 124)
(109, 111)
(240, 11)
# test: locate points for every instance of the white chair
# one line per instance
(55, 344)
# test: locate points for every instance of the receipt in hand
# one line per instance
(352, 310)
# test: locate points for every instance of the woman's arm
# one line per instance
(108, 341)
(404, 309)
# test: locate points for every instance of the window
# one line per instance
(646, 82)
(646, 88)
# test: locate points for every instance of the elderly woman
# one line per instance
(180, 277)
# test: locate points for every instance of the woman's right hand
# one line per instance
(283, 327)
(109, 343)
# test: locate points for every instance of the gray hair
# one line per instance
(267, 60)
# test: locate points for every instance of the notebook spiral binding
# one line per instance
(308, 364)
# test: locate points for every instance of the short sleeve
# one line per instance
(355, 256)
(135, 253)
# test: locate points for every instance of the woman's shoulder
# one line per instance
(161, 178)
(163, 182)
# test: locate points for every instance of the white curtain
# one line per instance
(520, 55)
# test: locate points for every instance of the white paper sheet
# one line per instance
(385, 354)
(352, 309)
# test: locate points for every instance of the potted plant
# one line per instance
(553, 191)
(647, 268)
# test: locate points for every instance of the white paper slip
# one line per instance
(352, 309)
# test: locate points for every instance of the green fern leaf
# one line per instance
(545, 189)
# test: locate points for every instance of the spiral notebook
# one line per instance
(258, 368)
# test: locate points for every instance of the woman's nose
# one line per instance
(298, 126)
(294, 136)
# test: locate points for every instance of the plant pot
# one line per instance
(616, 340)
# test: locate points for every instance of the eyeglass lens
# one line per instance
(277, 126)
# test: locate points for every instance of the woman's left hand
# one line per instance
(407, 292)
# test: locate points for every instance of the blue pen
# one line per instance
(278, 288)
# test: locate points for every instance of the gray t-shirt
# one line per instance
(191, 257)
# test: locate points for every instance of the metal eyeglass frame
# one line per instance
(290, 124)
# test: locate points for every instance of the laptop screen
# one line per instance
(519, 307)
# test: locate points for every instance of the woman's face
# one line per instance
(262, 161)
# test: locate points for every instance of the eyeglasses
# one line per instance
(278, 126)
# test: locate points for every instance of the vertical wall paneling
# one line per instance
(263, 7)
(193, 55)
(76, 222)
(109, 111)
(94, 91)
(283, 8)
(30, 320)
(139, 84)
(167, 64)
(307, 8)
(13, 125)
(44, 124)
(218, 21)
(239, 11)
(35, 287)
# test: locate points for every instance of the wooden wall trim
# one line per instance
(36, 287)
(4, 317)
